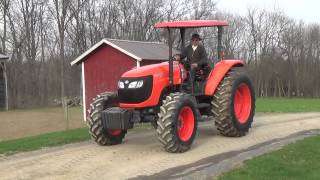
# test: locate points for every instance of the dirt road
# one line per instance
(141, 154)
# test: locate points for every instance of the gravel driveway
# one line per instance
(141, 155)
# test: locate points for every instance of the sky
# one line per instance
(306, 10)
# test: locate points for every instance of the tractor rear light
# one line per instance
(222, 55)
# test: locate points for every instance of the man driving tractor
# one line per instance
(195, 54)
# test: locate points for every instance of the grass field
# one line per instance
(287, 105)
(44, 140)
(296, 161)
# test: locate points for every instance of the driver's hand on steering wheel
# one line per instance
(194, 65)
(177, 57)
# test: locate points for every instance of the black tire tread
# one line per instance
(96, 130)
(221, 105)
(165, 128)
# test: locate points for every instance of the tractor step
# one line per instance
(186, 88)
(203, 105)
(205, 118)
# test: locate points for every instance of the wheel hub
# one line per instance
(185, 124)
(242, 103)
(114, 132)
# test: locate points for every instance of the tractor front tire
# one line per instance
(99, 134)
(177, 123)
(233, 104)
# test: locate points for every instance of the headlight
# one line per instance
(120, 84)
(135, 84)
(140, 84)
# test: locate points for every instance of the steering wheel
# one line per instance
(186, 64)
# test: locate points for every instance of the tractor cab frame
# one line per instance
(182, 26)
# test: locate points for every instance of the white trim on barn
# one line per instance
(83, 92)
(104, 41)
(6, 84)
(4, 71)
(138, 64)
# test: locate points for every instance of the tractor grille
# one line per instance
(135, 95)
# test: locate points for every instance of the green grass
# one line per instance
(287, 105)
(299, 160)
(44, 140)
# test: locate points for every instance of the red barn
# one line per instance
(105, 62)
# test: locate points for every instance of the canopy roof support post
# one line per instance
(170, 61)
(219, 47)
(182, 34)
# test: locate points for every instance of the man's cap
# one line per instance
(195, 36)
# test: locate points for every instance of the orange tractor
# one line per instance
(164, 95)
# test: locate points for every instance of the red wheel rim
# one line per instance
(242, 103)
(114, 132)
(185, 123)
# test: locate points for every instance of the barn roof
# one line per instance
(138, 50)
(3, 57)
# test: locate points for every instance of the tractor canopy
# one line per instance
(183, 25)
(190, 24)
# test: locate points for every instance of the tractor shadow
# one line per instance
(147, 138)
(205, 134)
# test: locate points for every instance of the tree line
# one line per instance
(43, 36)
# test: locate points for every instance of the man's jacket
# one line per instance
(198, 56)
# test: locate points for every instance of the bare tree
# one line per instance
(42, 37)
(4, 5)
(61, 12)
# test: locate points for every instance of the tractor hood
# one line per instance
(156, 70)
(142, 87)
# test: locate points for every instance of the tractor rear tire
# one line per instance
(233, 104)
(177, 123)
(98, 133)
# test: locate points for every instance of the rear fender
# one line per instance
(217, 74)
